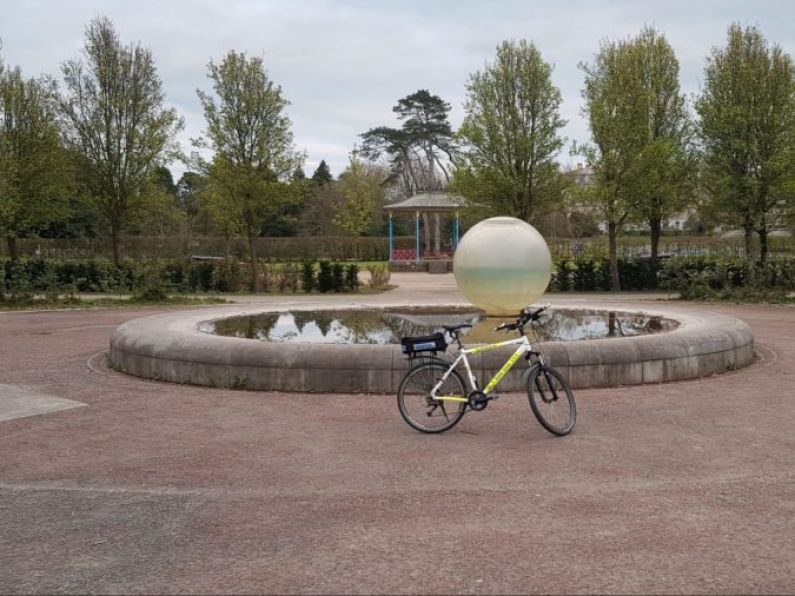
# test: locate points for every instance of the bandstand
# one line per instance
(437, 256)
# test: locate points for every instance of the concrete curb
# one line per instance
(169, 347)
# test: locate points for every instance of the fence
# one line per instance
(268, 249)
(369, 249)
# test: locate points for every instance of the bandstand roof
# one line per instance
(428, 202)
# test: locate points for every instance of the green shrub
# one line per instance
(352, 277)
(308, 279)
(151, 285)
(379, 275)
(706, 277)
(337, 277)
(325, 277)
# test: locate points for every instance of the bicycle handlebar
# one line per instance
(526, 316)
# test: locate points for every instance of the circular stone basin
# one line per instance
(388, 326)
(180, 347)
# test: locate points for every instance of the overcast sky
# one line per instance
(343, 64)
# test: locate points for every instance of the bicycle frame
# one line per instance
(524, 347)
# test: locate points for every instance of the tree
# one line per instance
(665, 167)
(317, 218)
(361, 193)
(322, 174)
(163, 179)
(35, 177)
(189, 186)
(117, 122)
(618, 136)
(252, 144)
(511, 134)
(416, 150)
(747, 129)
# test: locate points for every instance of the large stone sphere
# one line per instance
(501, 265)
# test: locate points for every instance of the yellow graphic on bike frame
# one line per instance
(503, 371)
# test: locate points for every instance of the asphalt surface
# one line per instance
(157, 488)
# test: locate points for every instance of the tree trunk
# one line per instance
(426, 235)
(762, 245)
(252, 252)
(749, 241)
(655, 231)
(612, 235)
(13, 254)
(115, 241)
(437, 234)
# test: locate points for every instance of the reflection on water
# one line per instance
(388, 326)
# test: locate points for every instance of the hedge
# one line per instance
(690, 276)
(36, 275)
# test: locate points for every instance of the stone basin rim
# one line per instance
(170, 347)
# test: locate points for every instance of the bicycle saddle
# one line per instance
(452, 328)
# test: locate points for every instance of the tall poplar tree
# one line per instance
(618, 136)
(747, 129)
(117, 123)
(362, 192)
(664, 172)
(35, 177)
(252, 143)
(511, 134)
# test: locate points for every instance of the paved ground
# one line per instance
(156, 488)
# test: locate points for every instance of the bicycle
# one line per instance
(432, 396)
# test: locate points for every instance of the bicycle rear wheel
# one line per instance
(421, 411)
(551, 400)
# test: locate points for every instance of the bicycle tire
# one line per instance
(413, 397)
(543, 385)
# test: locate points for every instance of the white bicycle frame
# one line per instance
(524, 348)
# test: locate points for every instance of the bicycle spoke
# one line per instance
(422, 411)
(552, 402)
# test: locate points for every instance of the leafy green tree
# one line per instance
(322, 174)
(615, 118)
(35, 176)
(252, 144)
(163, 179)
(317, 218)
(163, 216)
(361, 193)
(117, 123)
(511, 135)
(287, 214)
(664, 173)
(747, 129)
(189, 186)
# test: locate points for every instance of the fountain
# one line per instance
(355, 349)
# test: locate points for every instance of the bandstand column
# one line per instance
(391, 242)
(417, 235)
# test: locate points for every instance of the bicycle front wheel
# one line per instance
(551, 400)
(423, 412)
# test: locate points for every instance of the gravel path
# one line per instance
(158, 488)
